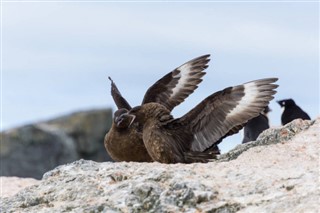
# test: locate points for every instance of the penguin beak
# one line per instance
(280, 103)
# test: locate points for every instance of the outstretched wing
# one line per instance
(223, 113)
(117, 97)
(174, 87)
(232, 131)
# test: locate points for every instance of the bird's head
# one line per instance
(149, 111)
(266, 110)
(286, 102)
(122, 119)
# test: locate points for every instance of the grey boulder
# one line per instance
(32, 150)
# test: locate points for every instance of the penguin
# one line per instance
(291, 111)
(256, 125)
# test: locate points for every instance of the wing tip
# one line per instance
(110, 79)
(201, 61)
(267, 80)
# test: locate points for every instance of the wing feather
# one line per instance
(225, 112)
(120, 101)
(173, 88)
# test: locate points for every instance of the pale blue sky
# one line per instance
(56, 56)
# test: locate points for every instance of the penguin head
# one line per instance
(286, 102)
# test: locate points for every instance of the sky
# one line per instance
(56, 56)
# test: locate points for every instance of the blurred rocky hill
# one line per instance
(277, 173)
(32, 150)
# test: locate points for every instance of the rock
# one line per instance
(32, 150)
(280, 173)
(269, 136)
(12, 185)
(87, 129)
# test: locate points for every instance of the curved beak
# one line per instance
(118, 120)
(133, 117)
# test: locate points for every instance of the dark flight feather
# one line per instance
(176, 86)
(224, 110)
(119, 100)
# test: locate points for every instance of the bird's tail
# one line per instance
(200, 157)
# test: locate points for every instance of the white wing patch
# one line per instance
(184, 76)
(251, 92)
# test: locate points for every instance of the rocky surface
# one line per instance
(277, 173)
(32, 150)
(12, 185)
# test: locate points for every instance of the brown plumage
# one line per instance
(187, 139)
(124, 143)
(120, 138)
